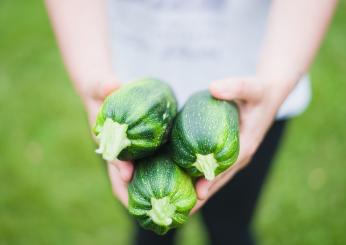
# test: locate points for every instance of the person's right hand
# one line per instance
(93, 95)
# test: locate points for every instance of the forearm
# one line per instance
(82, 33)
(294, 32)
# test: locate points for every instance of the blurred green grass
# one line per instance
(54, 189)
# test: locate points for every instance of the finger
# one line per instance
(247, 148)
(198, 205)
(205, 189)
(95, 93)
(202, 188)
(222, 179)
(125, 169)
(250, 137)
(108, 87)
(237, 89)
(119, 187)
(104, 87)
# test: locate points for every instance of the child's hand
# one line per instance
(258, 103)
(93, 95)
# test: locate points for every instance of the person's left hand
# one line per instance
(258, 102)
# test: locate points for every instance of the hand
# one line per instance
(93, 94)
(258, 103)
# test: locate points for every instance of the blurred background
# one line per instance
(55, 190)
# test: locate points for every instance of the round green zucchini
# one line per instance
(161, 195)
(205, 136)
(135, 120)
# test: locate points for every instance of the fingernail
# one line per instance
(205, 190)
(204, 194)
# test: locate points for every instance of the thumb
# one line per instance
(104, 87)
(246, 89)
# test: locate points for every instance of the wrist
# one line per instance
(277, 88)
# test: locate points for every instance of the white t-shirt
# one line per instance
(190, 43)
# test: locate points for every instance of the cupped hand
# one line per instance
(258, 102)
(93, 95)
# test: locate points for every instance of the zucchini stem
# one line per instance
(113, 139)
(207, 165)
(162, 211)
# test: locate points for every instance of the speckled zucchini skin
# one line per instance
(205, 125)
(148, 107)
(159, 177)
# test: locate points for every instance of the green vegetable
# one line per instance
(135, 120)
(161, 195)
(205, 135)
